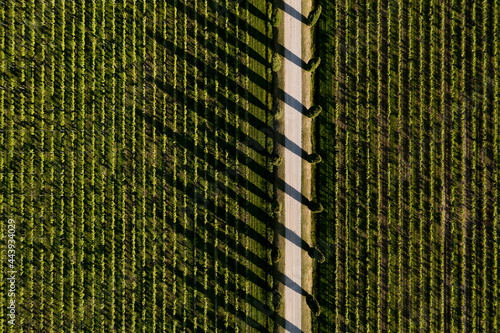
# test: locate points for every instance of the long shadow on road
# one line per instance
(292, 11)
(291, 101)
(294, 193)
(287, 54)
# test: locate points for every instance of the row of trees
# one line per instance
(311, 112)
(277, 160)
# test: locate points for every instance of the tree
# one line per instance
(278, 112)
(314, 158)
(313, 111)
(313, 64)
(276, 207)
(276, 62)
(316, 254)
(276, 17)
(314, 16)
(276, 254)
(277, 299)
(277, 160)
(313, 305)
(315, 207)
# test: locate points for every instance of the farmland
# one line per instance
(409, 136)
(135, 164)
(160, 171)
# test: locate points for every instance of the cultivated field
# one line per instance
(409, 136)
(135, 164)
(140, 190)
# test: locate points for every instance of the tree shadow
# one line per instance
(235, 265)
(292, 57)
(188, 143)
(243, 25)
(256, 12)
(292, 11)
(291, 101)
(218, 301)
(288, 326)
(292, 192)
(210, 205)
(288, 234)
(289, 283)
(214, 50)
(292, 146)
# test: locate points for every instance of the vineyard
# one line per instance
(409, 136)
(136, 165)
(142, 166)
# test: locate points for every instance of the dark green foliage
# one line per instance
(276, 17)
(103, 80)
(276, 207)
(314, 158)
(277, 299)
(316, 254)
(389, 172)
(313, 305)
(313, 111)
(276, 64)
(314, 16)
(276, 254)
(315, 207)
(278, 113)
(277, 160)
(313, 64)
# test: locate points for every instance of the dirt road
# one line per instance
(293, 165)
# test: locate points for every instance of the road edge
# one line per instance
(308, 265)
